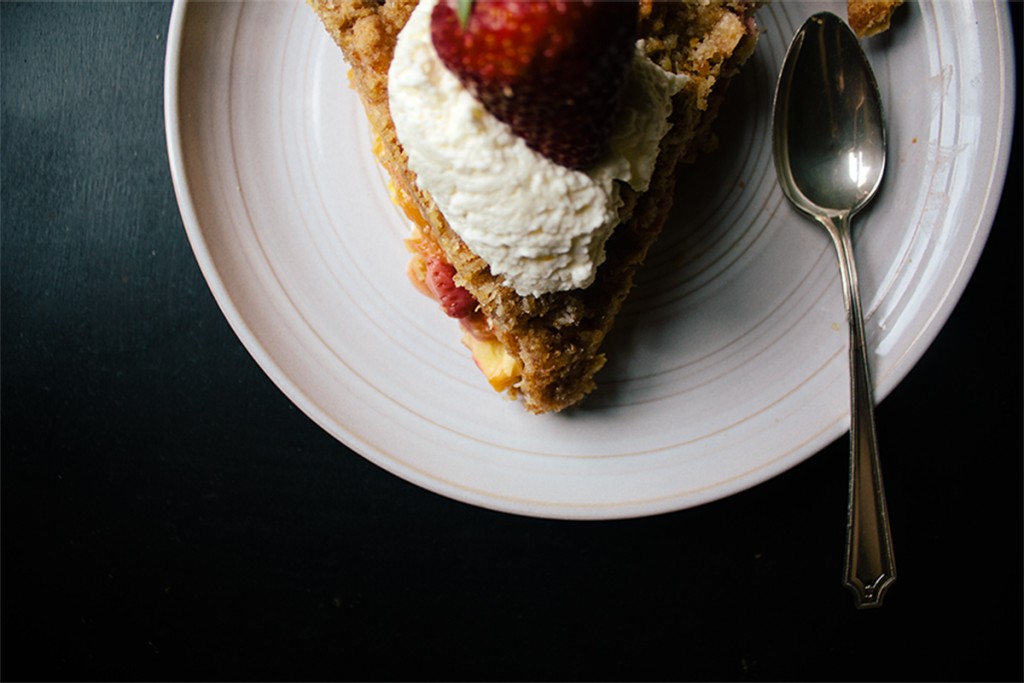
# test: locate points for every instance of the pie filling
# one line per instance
(501, 368)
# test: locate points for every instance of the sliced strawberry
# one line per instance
(551, 69)
(456, 301)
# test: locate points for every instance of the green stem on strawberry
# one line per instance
(463, 10)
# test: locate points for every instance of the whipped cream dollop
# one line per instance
(539, 225)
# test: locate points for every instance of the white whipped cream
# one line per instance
(539, 225)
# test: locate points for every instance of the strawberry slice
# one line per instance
(456, 301)
(552, 69)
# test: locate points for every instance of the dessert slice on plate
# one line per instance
(534, 146)
(870, 17)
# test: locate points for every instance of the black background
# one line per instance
(168, 514)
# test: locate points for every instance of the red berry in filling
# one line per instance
(456, 301)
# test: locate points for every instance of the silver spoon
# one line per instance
(829, 146)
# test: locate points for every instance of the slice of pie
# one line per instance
(532, 250)
(870, 17)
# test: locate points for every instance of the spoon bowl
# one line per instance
(829, 149)
(829, 131)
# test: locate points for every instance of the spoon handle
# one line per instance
(870, 567)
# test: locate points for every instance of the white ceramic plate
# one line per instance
(729, 363)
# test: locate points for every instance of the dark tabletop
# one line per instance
(168, 514)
